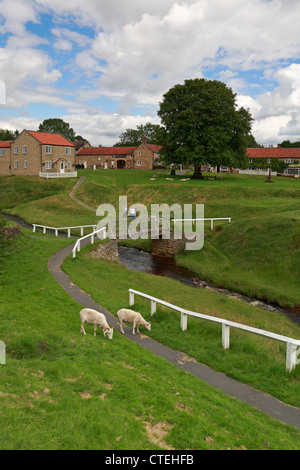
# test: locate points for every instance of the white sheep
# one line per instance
(92, 317)
(130, 316)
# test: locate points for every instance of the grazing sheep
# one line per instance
(92, 317)
(131, 316)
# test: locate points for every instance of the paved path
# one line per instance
(245, 393)
(72, 195)
(259, 400)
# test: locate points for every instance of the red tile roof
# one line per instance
(154, 148)
(47, 138)
(277, 152)
(106, 151)
(6, 144)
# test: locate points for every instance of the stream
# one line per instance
(141, 261)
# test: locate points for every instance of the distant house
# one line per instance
(146, 155)
(291, 156)
(143, 157)
(5, 157)
(34, 153)
(106, 157)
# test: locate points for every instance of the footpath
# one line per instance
(261, 401)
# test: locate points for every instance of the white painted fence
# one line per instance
(70, 174)
(57, 229)
(92, 235)
(292, 345)
(2, 353)
(211, 220)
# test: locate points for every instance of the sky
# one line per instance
(103, 66)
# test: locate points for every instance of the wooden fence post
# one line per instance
(225, 336)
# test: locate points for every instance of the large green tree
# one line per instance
(59, 126)
(203, 125)
(133, 137)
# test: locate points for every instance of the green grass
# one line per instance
(61, 390)
(251, 359)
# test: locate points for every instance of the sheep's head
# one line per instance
(148, 326)
(109, 332)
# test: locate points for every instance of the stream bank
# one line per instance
(141, 261)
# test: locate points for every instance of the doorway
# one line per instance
(121, 164)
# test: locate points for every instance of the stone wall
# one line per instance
(108, 250)
(10, 232)
(167, 248)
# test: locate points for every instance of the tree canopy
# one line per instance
(133, 137)
(6, 134)
(203, 125)
(58, 126)
(289, 144)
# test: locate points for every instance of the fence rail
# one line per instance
(57, 229)
(292, 345)
(77, 245)
(211, 220)
(72, 174)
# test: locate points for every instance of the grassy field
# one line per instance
(62, 390)
(57, 386)
(257, 254)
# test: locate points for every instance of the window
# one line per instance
(269, 160)
(99, 158)
(139, 162)
(69, 165)
(16, 150)
(48, 165)
(250, 160)
(24, 149)
(25, 165)
(139, 153)
(48, 149)
(68, 150)
(289, 160)
(2, 153)
(16, 165)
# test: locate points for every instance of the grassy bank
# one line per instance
(257, 254)
(251, 359)
(62, 390)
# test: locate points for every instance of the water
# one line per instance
(144, 262)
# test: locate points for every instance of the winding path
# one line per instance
(245, 393)
(259, 400)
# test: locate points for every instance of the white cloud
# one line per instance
(137, 50)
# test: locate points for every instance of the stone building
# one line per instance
(5, 158)
(34, 153)
(143, 157)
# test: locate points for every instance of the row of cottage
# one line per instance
(35, 153)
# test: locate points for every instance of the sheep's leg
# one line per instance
(137, 328)
(95, 329)
(121, 327)
(82, 330)
(133, 329)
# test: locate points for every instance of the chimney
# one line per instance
(144, 140)
(278, 146)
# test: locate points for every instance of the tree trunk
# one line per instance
(197, 173)
(269, 180)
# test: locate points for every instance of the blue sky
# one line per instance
(104, 66)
